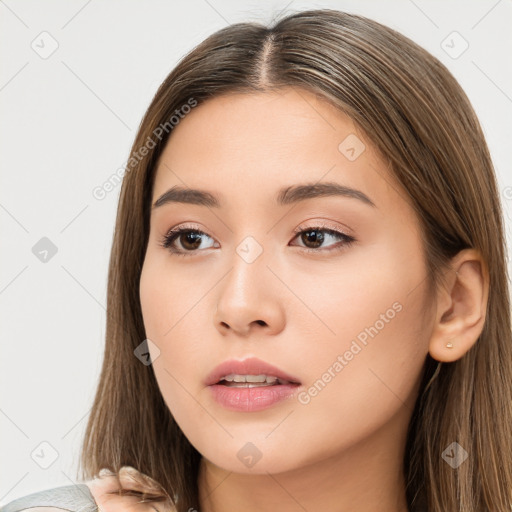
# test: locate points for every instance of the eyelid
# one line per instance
(186, 225)
(322, 224)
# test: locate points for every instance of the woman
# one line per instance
(308, 304)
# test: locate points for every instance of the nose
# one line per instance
(250, 300)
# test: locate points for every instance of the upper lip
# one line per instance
(249, 366)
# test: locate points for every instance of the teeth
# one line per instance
(268, 379)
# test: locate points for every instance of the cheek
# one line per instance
(155, 301)
(171, 304)
(168, 295)
(369, 368)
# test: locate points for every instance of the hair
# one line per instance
(421, 122)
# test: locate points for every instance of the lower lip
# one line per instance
(251, 399)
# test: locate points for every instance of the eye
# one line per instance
(313, 237)
(190, 239)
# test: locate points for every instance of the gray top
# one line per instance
(74, 498)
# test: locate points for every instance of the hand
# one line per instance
(127, 478)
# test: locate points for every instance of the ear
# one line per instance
(461, 307)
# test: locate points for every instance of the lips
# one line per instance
(250, 366)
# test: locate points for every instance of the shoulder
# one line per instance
(110, 492)
(74, 498)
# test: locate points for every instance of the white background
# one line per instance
(67, 124)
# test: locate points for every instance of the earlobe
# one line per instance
(461, 307)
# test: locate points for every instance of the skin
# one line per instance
(297, 310)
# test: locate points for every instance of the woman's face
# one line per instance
(346, 319)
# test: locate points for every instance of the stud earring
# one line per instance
(449, 345)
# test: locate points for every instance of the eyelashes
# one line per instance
(193, 237)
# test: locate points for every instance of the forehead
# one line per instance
(257, 123)
(255, 144)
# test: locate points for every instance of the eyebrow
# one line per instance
(285, 196)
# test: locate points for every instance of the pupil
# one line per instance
(316, 239)
(195, 237)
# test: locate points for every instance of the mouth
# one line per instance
(250, 372)
(253, 381)
(250, 385)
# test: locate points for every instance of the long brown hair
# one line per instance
(420, 120)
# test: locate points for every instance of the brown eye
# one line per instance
(189, 240)
(312, 236)
(314, 239)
